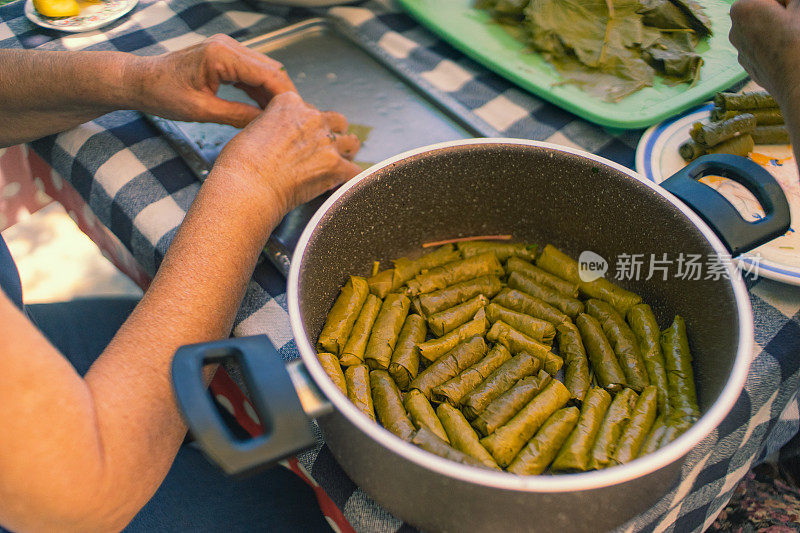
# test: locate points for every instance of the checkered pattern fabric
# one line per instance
(140, 189)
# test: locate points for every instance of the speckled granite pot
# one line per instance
(537, 193)
(540, 193)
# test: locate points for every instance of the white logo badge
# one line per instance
(591, 266)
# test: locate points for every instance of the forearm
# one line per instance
(194, 298)
(118, 430)
(44, 92)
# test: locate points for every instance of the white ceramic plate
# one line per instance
(308, 3)
(657, 158)
(91, 17)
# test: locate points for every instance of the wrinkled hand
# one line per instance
(182, 85)
(293, 150)
(767, 35)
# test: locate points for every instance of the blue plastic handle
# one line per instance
(286, 427)
(736, 233)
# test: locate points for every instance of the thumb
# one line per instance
(221, 111)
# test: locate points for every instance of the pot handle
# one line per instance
(286, 427)
(736, 233)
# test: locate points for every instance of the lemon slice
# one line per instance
(57, 8)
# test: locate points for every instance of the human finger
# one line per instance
(340, 173)
(347, 169)
(347, 145)
(263, 78)
(221, 111)
(257, 94)
(234, 63)
(335, 121)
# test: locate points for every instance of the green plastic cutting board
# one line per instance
(475, 33)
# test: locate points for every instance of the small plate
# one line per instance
(91, 17)
(657, 158)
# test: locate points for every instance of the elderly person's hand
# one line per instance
(44, 92)
(293, 151)
(767, 36)
(183, 85)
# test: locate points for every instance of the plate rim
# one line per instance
(33, 16)
(643, 163)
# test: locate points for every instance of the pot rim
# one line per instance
(504, 480)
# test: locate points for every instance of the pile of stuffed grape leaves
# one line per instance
(610, 48)
(739, 121)
(497, 355)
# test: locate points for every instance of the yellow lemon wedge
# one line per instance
(57, 8)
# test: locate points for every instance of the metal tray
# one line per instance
(333, 70)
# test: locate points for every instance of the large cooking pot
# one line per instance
(537, 192)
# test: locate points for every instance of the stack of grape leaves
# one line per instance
(611, 48)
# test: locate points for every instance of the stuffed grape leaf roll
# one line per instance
(524, 303)
(343, 315)
(389, 405)
(453, 295)
(404, 365)
(451, 273)
(504, 407)
(385, 331)
(623, 341)
(560, 264)
(571, 349)
(638, 427)
(461, 435)
(506, 442)
(503, 250)
(575, 454)
(430, 442)
(498, 382)
(356, 345)
(422, 414)
(568, 305)
(330, 363)
(455, 388)
(449, 365)
(446, 321)
(601, 355)
(540, 451)
(531, 271)
(358, 389)
(617, 416)
(535, 328)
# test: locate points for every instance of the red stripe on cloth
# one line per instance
(222, 385)
(326, 505)
(18, 194)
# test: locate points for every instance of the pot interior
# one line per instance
(538, 195)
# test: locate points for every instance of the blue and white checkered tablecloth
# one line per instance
(140, 189)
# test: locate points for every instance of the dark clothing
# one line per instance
(82, 328)
(196, 495)
(9, 277)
